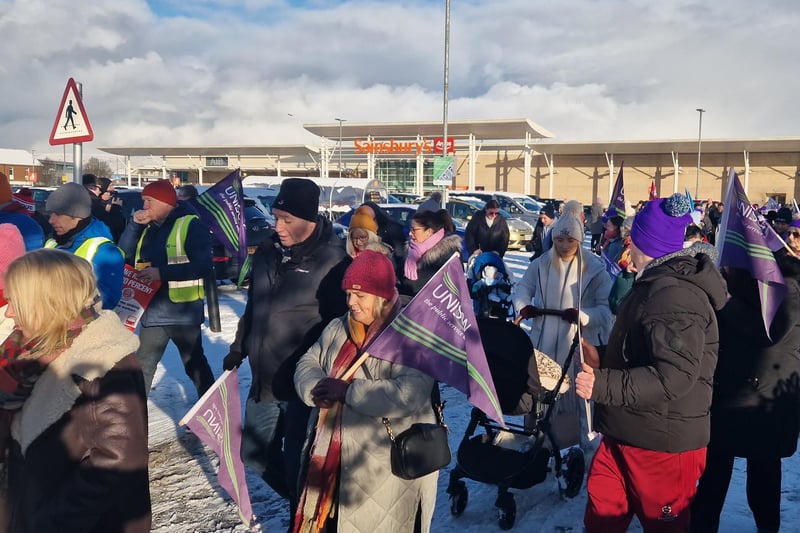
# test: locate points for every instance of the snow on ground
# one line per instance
(186, 497)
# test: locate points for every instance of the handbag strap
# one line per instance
(436, 403)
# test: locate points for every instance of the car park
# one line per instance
(517, 204)
(403, 213)
(405, 197)
(464, 208)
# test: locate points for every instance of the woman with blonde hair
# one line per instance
(78, 458)
(349, 469)
(363, 235)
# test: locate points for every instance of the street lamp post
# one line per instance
(340, 120)
(699, 143)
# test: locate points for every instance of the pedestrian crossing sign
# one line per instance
(72, 124)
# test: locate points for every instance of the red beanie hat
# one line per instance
(371, 272)
(163, 191)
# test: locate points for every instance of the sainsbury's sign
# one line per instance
(415, 147)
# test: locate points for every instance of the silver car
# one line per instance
(463, 209)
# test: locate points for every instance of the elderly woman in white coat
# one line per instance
(570, 279)
(349, 468)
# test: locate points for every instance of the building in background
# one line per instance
(515, 155)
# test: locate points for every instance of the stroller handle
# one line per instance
(543, 311)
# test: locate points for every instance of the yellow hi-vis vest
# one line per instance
(86, 250)
(179, 291)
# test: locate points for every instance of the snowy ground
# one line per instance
(187, 499)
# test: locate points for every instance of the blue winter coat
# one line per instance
(108, 262)
(162, 311)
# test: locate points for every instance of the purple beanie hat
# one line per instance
(659, 227)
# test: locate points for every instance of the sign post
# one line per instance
(444, 170)
(72, 126)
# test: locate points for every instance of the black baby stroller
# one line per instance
(490, 285)
(517, 457)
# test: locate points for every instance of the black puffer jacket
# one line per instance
(653, 389)
(479, 235)
(756, 407)
(290, 301)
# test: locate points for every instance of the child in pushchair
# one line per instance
(490, 284)
(517, 456)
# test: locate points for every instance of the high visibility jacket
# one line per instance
(86, 250)
(179, 291)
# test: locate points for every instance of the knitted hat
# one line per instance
(5, 189)
(362, 219)
(660, 226)
(573, 208)
(568, 226)
(298, 197)
(70, 199)
(24, 197)
(784, 215)
(548, 210)
(795, 223)
(371, 272)
(11, 247)
(163, 191)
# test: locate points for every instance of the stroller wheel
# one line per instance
(458, 498)
(506, 510)
(574, 469)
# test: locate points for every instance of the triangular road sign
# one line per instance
(72, 124)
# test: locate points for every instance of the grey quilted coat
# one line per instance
(371, 498)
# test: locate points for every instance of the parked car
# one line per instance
(404, 197)
(517, 204)
(465, 207)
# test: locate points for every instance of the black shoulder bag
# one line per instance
(423, 447)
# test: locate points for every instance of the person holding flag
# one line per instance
(652, 387)
(755, 412)
(295, 291)
(349, 478)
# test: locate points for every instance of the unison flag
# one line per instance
(616, 205)
(216, 419)
(437, 334)
(744, 243)
(221, 207)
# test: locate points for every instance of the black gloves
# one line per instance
(571, 315)
(529, 311)
(232, 360)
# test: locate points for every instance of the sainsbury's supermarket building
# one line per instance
(510, 155)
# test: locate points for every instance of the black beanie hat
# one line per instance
(298, 197)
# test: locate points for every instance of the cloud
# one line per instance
(232, 71)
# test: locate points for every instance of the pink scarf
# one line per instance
(417, 249)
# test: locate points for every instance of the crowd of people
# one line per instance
(675, 359)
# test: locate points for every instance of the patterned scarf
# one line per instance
(318, 501)
(416, 250)
(21, 365)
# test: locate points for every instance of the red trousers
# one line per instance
(657, 487)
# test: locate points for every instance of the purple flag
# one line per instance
(437, 334)
(216, 419)
(221, 208)
(616, 205)
(744, 243)
(612, 267)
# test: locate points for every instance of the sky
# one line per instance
(250, 72)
